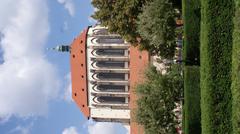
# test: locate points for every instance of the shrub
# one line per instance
(119, 16)
(235, 72)
(157, 97)
(157, 27)
(216, 59)
(192, 111)
(192, 18)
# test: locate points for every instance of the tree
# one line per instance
(119, 16)
(157, 27)
(157, 97)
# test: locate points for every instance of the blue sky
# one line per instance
(35, 96)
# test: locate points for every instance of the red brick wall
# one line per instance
(139, 61)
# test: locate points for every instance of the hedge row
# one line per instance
(216, 60)
(236, 72)
(192, 18)
(192, 112)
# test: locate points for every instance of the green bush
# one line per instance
(157, 97)
(157, 26)
(192, 111)
(192, 18)
(236, 72)
(216, 60)
(119, 16)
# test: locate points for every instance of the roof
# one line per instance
(79, 72)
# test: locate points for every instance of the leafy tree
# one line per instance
(154, 28)
(119, 16)
(157, 27)
(157, 97)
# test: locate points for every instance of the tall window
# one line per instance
(101, 31)
(110, 40)
(111, 76)
(111, 88)
(110, 64)
(111, 100)
(111, 52)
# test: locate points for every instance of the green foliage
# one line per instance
(157, 97)
(192, 111)
(119, 16)
(157, 26)
(216, 59)
(191, 18)
(236, 72)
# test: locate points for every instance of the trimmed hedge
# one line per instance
(191, 18)
(192, 111)
(236, 72)
(216, 60)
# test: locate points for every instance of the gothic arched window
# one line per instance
(111, 100)
(101, 31)
(111, 88)
(110, 52)
(110, 40)
(111, 76)
(110, 64)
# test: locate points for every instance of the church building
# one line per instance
(105, 70)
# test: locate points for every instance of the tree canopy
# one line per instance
(119, 16)
(150, 23)
(157, 26)
(157, 97)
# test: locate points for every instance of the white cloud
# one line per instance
(4, 119)
(68, 89)
(8, 9)
(99, 128)
(68, 5)
(22, 129)
(91, 20)
(27, 80)
(106, 128)
(65, 26)
(70, 130)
